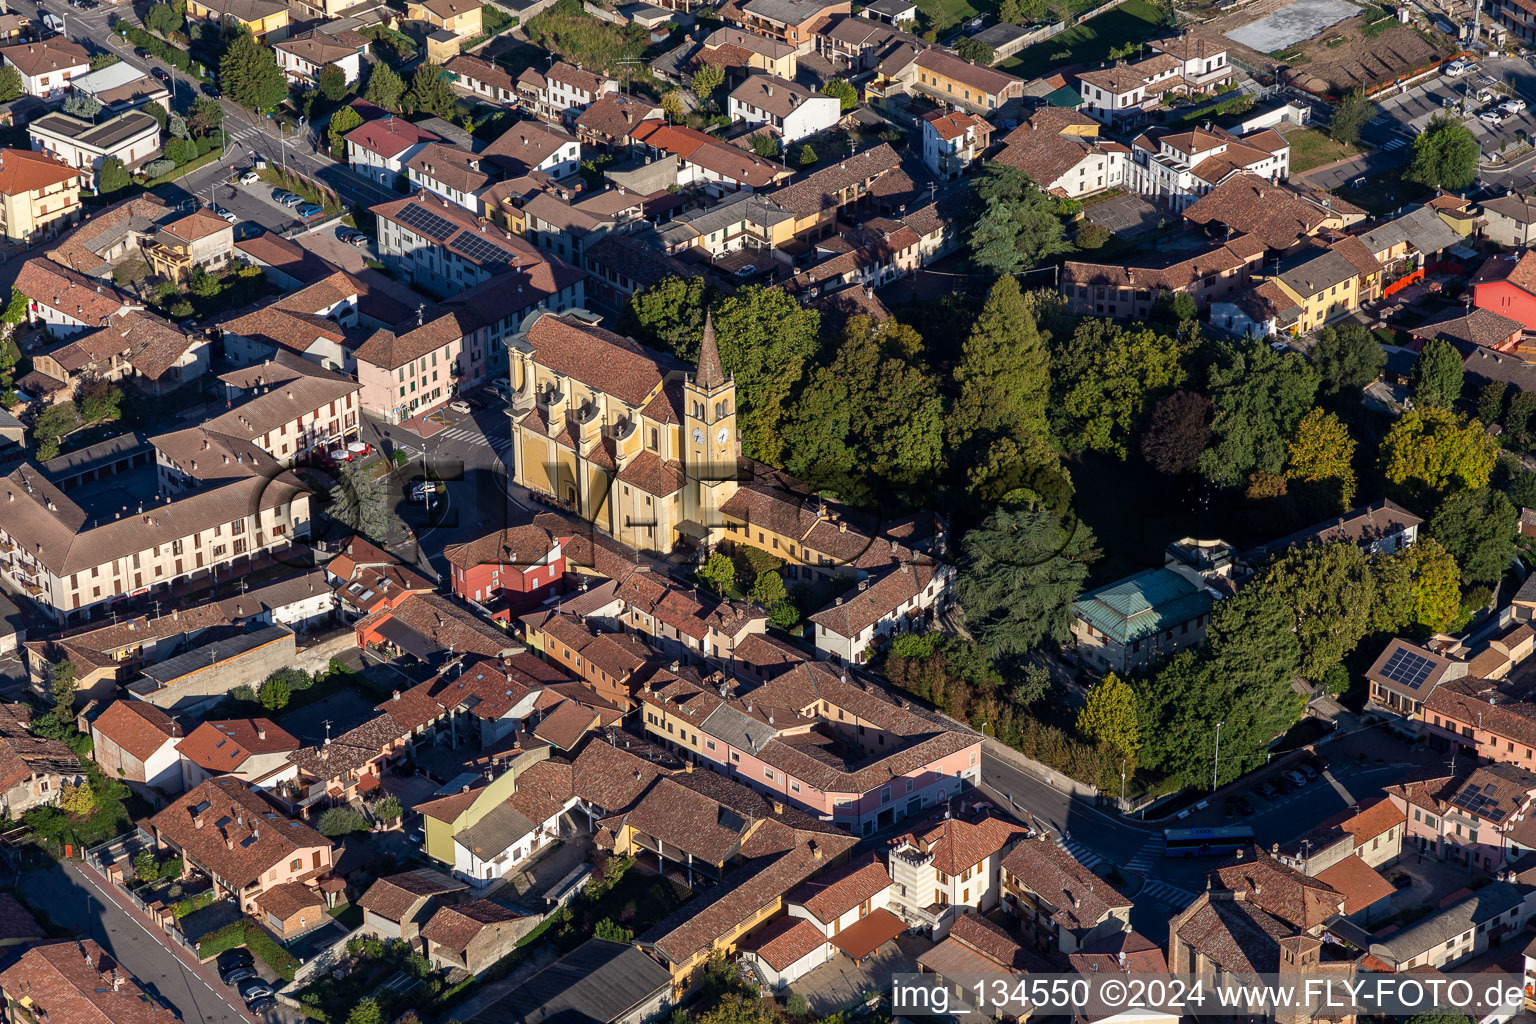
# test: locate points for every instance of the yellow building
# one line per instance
(1323, 282)
(198, 239)
(267, 19)
(461, 17)
(39, 194)
(620, 434)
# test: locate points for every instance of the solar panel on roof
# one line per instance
(482, 250)
(1407, 668)
(425, 222)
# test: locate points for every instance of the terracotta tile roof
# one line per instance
(448, 808)
(578, 78)
(1173, 272)
(56, 54)
(1373, 820)
(957, 845)
(614, 115)
(705, 151)
(443, 623)
(455, 927)
(22, 171)
(1237, 935)
(1279, 890)
(316, 48)
(1102, 956)
(611, 778)
(74, 295)
(241, 835)
(857, 610)
(653, 474)
(76, 982)
(16, 921)
(333, 760)
(608, 362)
(196, 225)
(1360, 884)
(447, 9)
(834, 893)
(451, 166)
(827, 187)
(80, 249)
(564, 727)
(990, 81)
(290, 898)
(785, 942)
(223, 746)
(389, 136)
(393, 897)
(526, 145)
(475, 69)
(1475, 326)
(137, 726)
(1248, 204)
(1082, 899)
(955, 123)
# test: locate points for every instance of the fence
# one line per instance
(1101, 9)
(323, 961)
(603, 14)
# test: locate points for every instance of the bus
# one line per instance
(1205, 842)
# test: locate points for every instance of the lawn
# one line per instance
(940, 16)
(1311, 148)
(579, 38)
(1089, 44)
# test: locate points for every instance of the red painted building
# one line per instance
(1506, 285)
(508, 571)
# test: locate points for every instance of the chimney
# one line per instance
(261, 732)
(395, 695)
(815, 850)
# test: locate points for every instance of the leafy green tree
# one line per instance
(339, 821)
(180, 151)
(112, 176)
(1419, 585)
(333, 83)
(669, 315)
(15, 313)
(367, 1011)
(1104, 377)
(1174, 308)
(203, 284)
(1430, 451)
(1348, 357)
(162, 18)
(50, 427)
(1258, 396)
(385, 87)
(177, 126)
(1445, 155)
(10, 84)
(62, 680)
(847, 96)
(1003, 377)
(357, 503)
(808, 156)
(1517, 420)
(1439, 1017)
(705, 81)
(1108, 716)
(1253, 653)
(1350, 115)
(1020, 571)
(103, 60)
(145, 868)
(274, 693)
(1090, 235)
(1521, 489)
(1322, 452)
(1177, 432)
(784, 614)
(766, 146)
(612, 932)
(1478, 527)
(82, 105)
(343, 121)
(159, 113)
(431, 93)
(718, 572)
(672, 106)
(975, 51)
(1490, 402)
(1014, 224)
(766, 340)
(206, 116)
(99, 400)
(1437, 374)
(388, 809)
(768, 590)
(250, 76)
(1329, 588)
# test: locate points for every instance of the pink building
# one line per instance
(1475, 818)
(846, 752)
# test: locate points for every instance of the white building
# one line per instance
(1174, 169)
(562, 92)
(792, 110)
(954, 140)
(817, 913)
(1126, 92)
(1061, 151)
(379, 150)
(943, 867)
(879, 607)
(47, 67)
(64, 302)
(133, 137)
(302, 58)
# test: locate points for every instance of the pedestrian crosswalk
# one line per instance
(1395, 143)
(474, 437)
(1146, 856)
(1170, 896)
(1084, 856)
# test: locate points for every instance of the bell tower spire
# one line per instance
(710, 374)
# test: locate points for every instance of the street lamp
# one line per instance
(1217, 759)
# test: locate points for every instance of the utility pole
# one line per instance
(1217, 759)
(1122, 783)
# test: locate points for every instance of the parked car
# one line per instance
(1266, 791)
(253, 988)
(235, 966)
(1492, 117)
(1295, 777)
(261, 1004)
(310, 210)
(1239, 806)
(1402, 881)
(1306, 769)
(225, 215)
(292, 200)
(1514, 105)
(459, 405)
(359, 239)
(163, 75)
(249, 178)
(279, 194)
(1455, 69)
(1283, 784)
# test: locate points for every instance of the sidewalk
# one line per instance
(206, 974)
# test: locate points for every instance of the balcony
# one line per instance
(932, 917)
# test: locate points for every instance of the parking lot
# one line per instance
(1479, 90)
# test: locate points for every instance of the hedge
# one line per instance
(253, 937)
(176, 57)
(192, 904)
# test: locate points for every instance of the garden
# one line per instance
(1092, 42)
(566, 29)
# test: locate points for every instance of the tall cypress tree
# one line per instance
(1003, 376)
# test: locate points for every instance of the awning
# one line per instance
(871, 932)
(407, 639)
(368, 783)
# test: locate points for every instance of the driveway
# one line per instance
(840, 982)
(1131, 216)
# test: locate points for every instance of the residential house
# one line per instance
(1132, 623)
(1324, 283)
(1472, 818)
(531, 146)
(1472, 329)
(396, 906)
(267, 20)
(484, 833)
(939, 75)
(790, 109)
(121, 86)
(483, 80)
(1062, 905)
(619, 266)
(39, 195)
(606, 124)
(818, 199)
(428, 627)
(795, 22)
(33, 770)
(197, 240)
(449, 172)
(855, 45)
(1277, 214)
(887, 600)
(289, 407)
(1126, 92)
(946, 866)
(1510, 220)
(1406, 245)
(704, 160)
(567, 229)
(1062, 152)
(1173, 169)
(601, 981)
(253, 750)
(953, 141)
(1263, 881)
(135, 741)
(379, 149)
(976, 947)
(1382, 527)
(1130, 288)
(510, 570)
(892, 12)
(830, 912)
(741, 220)
(133, 347)
(562, 92)
(1472, 712)
(1486, 918)
(1406, 674)
(473, 936)
(1506, 284)
(732, 48)
(319, 323)
(1224, 933)
(48, 66)
(132, 137)
(224, 829)
(304, 56)
(1371, 833)
(460, 17)
(75, 980)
